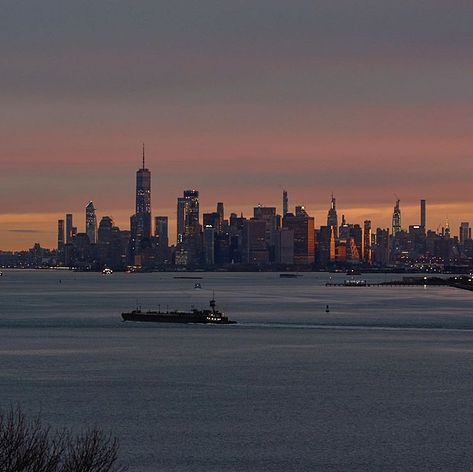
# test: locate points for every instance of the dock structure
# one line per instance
(463, 282)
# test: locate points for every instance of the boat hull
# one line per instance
(155, 317)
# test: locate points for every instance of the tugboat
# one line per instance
(212, 316)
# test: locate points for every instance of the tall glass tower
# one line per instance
(143, 196)
(141, 220)
(181, 208)
(285, 203)
(69, 228)
(188, 226)
(143, 200)
(191, 213)
(423, 215)
(396, 218)
(60, 235)
(91, 223)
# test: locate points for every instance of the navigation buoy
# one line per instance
(327, 309)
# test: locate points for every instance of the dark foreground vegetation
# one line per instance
(28, 445)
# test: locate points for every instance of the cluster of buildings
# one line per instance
(267, 240)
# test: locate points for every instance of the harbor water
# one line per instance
(383, 381)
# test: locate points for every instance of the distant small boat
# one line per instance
(353, 272)
(1, 273)
(289, 275)
(355, 283)
(197, 285)
(107, 271)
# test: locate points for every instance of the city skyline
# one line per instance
(273, 237)
(237, 100)
(381, 216)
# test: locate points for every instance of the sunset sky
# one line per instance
(238, 99)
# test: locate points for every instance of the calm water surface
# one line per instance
(383, 382)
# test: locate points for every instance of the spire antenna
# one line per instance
(143, 156)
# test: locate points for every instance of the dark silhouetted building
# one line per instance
(284, 249)
(416, 241)
(396, 218)
(141, 221)
(332, 218)
(272, 222)
(221, 217)
(192, 237)
(285, 203)
(254, 246)
(162, 230)
(366, 246)
(60, 235)
(464, 232)
(304, 242)
(382, 247)
(91, 223)
(423, 215)
(323, 238)
(112, 245)
(69, 228)
(181, 205)
(209, 244)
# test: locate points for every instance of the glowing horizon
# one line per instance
(238, 101)
(23, 230)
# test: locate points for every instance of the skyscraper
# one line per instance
(105, 230)
(254, 247)
(465, 232)
(191, 212)
(284, 251)
(300, 210)
(69, 231)
(143, 199)
(209, 244)
(181, 205)
(141, 220)
(161, 233)
(446, 230)
(161, 230)
(423, 214)
(211, 219)
(91, 223)
(332, 218)
(366, 245)
(221, 216)
(273, 223)
(285, 203)
(304, 237)
(382, 249)
(396, 218)
(60, 235)
(333, 244)
(265, 213)
(189, 229)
